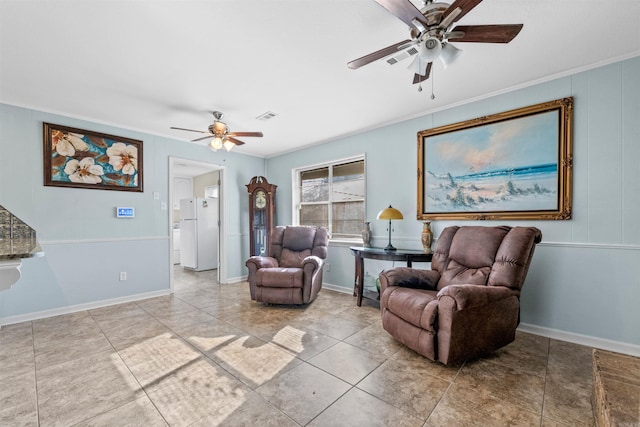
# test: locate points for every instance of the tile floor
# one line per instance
(209, 356)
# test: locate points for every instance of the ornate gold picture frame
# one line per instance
(511, 165)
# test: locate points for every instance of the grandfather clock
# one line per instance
(262, 211)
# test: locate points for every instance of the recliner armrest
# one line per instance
(262, 262)
(469, 296)
(410, 278)
(316, 261)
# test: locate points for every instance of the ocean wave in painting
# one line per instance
(521, 188)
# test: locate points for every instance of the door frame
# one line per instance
(222, 235)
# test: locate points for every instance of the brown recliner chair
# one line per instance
(468, 304)
(292, 273)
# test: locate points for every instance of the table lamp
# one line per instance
(390, 214)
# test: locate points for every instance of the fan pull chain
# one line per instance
(432, 78)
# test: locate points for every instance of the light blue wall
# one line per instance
(85, 245)
(585, 277)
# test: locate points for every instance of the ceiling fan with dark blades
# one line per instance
(221, 134)
(432, 29)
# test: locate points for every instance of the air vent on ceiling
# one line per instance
(266, 116)
(402, 55)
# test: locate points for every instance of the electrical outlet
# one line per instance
(327, 267)
(123, 276)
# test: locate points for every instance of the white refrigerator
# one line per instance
(199, 233)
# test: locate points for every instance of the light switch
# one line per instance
(156, 195)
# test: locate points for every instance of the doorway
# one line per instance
(186, 169)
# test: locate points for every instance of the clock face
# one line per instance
(261, 199)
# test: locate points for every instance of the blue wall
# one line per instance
(585, 277)
(85, 245)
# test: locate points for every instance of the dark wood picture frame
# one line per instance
(80, 158)
(512, 165)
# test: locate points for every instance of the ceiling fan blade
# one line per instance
(234, 140)
(204, 137)
(257, 134)
(189, 130)
(486, 33)
(464, 5)
(417, 78)
(367, 59)
(404, 10)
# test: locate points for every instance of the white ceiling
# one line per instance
(148, 65)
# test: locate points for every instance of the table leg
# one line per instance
(359, 279)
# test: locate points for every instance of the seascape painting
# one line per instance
(84, 159)
(513, 166)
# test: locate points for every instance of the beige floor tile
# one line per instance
(357, 408)
(424, 365)
(406, 387)
(155, 358)
(17, 361)
(502, 383)
(303, 343)
(201, 390)
(199, 298)
(347, 362)
(465, 406)
(303, 392)
(18, 396)
(22, 415)
(339, 327)
(17, 337)
(165, 306)
(375, 339)
(528, 353)
(132, 334)
(569, 384)
(72, 347)
(210, 335)
(252, 360)
(139, 412)
(223, 307)
(79, 389)
(253, 411)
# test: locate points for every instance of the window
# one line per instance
(332, 195)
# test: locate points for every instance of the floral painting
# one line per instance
(84, 159)
(511, 165)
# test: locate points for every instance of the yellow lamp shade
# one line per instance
(390, 214)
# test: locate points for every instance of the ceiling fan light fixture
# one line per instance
(228, 145)
(430, 49)
(449, 54)
(216, 143)
(418, 65)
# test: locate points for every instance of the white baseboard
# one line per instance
(232, 280)
(80, 307)
(336, 288)
(586, 340)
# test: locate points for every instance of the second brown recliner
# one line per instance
(292, 273)
(468, 304)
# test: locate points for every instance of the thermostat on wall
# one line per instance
(125, 212)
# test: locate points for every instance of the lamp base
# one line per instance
(389, 247)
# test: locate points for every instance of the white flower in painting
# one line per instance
(123, 157)
(66, 144)
(84, 171)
